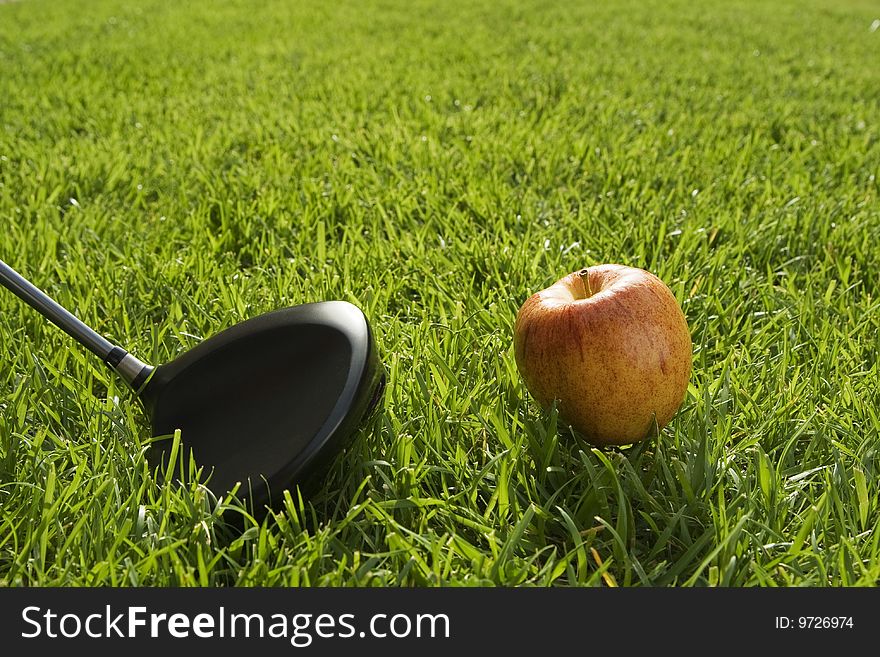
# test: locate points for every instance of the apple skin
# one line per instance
(612, 345)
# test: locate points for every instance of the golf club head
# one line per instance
(269, 402)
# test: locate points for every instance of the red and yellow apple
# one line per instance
(611, 346)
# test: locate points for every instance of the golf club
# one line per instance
(267, 403)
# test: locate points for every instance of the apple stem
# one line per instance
(585, 277)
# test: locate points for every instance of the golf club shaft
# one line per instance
(133, 372)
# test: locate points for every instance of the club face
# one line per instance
(271, 401)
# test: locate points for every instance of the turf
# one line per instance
(169, 169)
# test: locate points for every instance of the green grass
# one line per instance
(169, 169)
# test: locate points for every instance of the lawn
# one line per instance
(170, 169)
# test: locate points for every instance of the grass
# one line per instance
(169, 169)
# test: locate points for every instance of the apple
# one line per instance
(611, 346)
